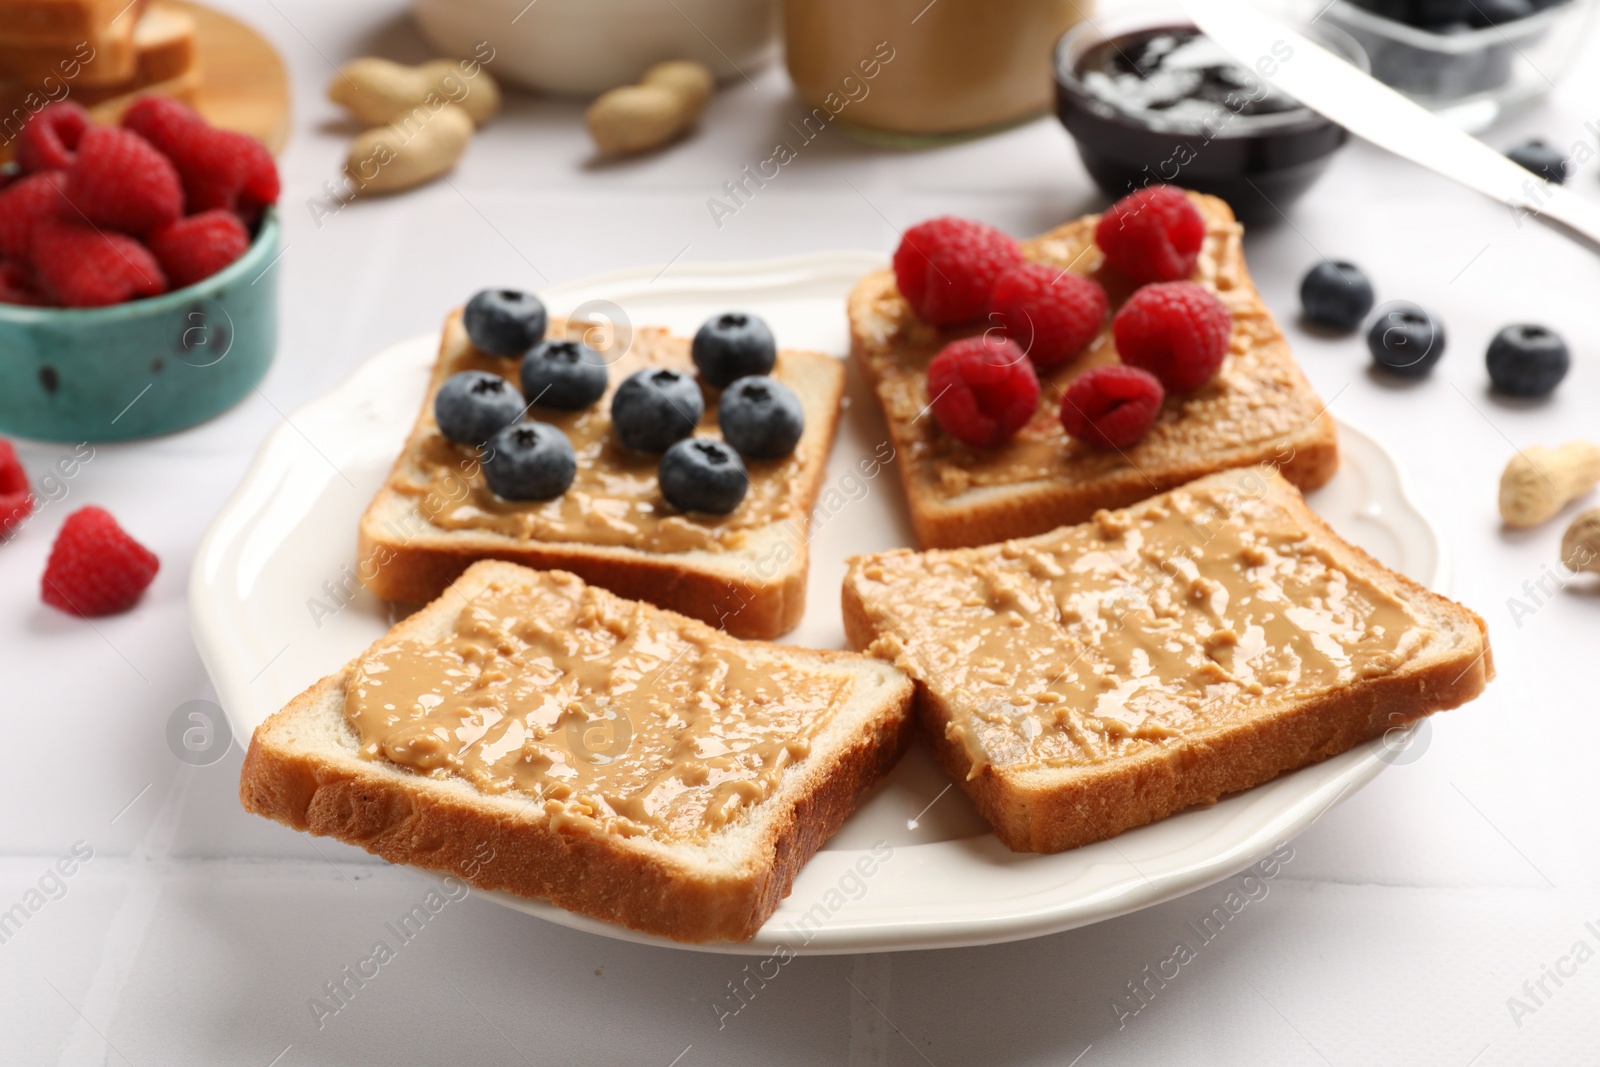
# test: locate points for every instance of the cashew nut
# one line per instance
(377, 91)
(409, 152)
(1580, 545)
(1539, 482)
(665, 104)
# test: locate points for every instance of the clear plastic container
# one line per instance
(1472, 77)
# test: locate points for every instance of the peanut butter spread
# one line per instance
(610, 715)
(615, 498)
(1197, 609)
(1258, 397)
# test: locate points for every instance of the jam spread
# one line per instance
(1194, 610)
(1177, 78)
(610, 715)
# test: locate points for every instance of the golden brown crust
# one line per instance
(416, 567)
(441, 826)
(1034, 813)
(1307, 457)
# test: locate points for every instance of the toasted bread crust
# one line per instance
(416, 567)
(1308, 456)
(1103, 801)
(441, 826)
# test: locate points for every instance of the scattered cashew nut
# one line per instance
(664, 105)
(1539, 482)
(377, 91)
(409, 152)
(1580, 545)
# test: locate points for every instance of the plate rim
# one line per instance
(1342, 775)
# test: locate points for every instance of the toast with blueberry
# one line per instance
(669, 471)
(1102, 676)
(1129, 439)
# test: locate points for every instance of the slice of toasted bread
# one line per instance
(159, 49)
(1258, 409)
(753, 584)
(1103, 676)
(67, 23)
(603, 848)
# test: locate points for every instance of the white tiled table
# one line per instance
(197, 934)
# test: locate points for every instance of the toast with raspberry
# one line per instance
(1258, 409)
(1099, 677)
(745, 572)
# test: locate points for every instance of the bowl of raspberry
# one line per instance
(138, 289)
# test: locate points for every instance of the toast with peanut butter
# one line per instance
(1258, 409)
(1102, 676)
(534, 734)
(745, 572)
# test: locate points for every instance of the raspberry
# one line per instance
(49, 140)
(161, 120)
(983, 389)
(22, 205)
(95, 568)
(1112, 406)
(947, 267)
(17, 285)
(1153, 235)
(261, 182)
(1052, 313)
(16, 499)
(1177, 331)
(219, 168)
(198, 246)
(120, 181)
(81, 267)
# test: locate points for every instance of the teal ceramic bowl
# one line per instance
(143, 368)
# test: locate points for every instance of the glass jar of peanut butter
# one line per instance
(915, 70)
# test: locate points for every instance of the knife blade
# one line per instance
(1329, 85)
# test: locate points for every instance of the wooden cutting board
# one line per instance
(242, 82)
(243, 85)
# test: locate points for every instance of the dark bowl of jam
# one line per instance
(1148, 98)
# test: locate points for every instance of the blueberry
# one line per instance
(761, 417)
(1538, 156)
(529, 461)
(1406, 340)
(474, 405)
(702, 474)
(563, 374)
(653, 408)
(1336, 294)
(1527, 360)
(733, 345)
(504, 322)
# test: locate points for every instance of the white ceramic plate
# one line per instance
(275, 607)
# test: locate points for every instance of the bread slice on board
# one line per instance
(679, 839)
(1259, 408)
(745, 573)
(1103, 676)
(67, 23)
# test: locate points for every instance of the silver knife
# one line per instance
(1366, 107)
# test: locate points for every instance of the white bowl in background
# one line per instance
(584, 47)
